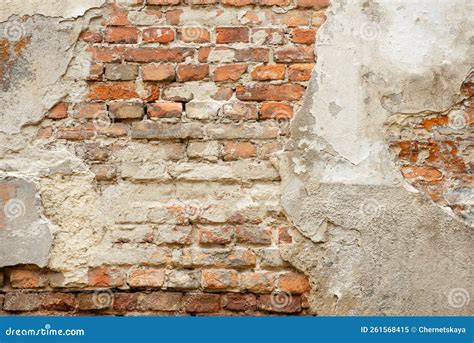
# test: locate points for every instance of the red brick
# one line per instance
(106, 54)
(304, 36)
(118, 17)
(126, 110)
(235, 151)
(292, 18)
(112, 91)
(120, 34)
(269, 72)
(163, 2)
(59, 111)
(295, 54)
(231, 72)
(90, 110)
(239, 302)
(58, 301)
(300, 72)
(429, 123)
(21, 302)
(146, 277)
(173, 17)
(317, 4)
(158, 54)
(158, 35)
(294, 283)
(25, 278)
(223, 93)
(226, 35)
(165, 110)
(274, 2)
(99, 300)
(160, 301)
(159, 72)
(194, 34)
(254, 235)
(266, 92)
(203, 54)
(428, 174)
(238, 3)
(258, 282)
(192, 72)
(279, 302)
(215, 235)
(125, 302)
(106, 277)
(201, 2)
(284, 236)
(276, 110)
(218, 279)
(202, 303)
(252, 55)
(95, 72)
(91, 36)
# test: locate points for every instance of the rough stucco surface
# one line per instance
(369, 242)
(376, 245)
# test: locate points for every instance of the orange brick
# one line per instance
(254, 235)
(158, 72)
(428, 174)
(304, 36)
(25, 278)
(194, 34)
(266, 92)
(158, 35)
(192, 72)
(235, 151)
(157, 54)
(231, 72)
(300, 72)
(165, 110)
(106, 277)
(90, 111)
(269, 72)
(274, 2)
(258, 282)
(276, 110)
(146, 277)
(317, 4)
(112, 91)
(59, 111)
(238, 3)
(226, 35)
(120, 34)
(294, 283)
(217, 279)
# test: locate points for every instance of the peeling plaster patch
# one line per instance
(48, 8)
(370, 244)
(25, 237)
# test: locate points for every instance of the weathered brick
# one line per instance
(146, 277)
(103, 172)
(183, 279)
(123, 72)
(238, 3)
(120, 34)
(273, 36)
(192, 72)
(294, 54)
(163, 2)
(205, 150)
(26, 278)
(112, 91)
(240, 111)
(58, 301)
(173, 234)
(231, 72)
(317, 4)
(270, 258)
(428, 174)
(106, 277)
(235, 151)
(158, 35)
(275, 110)
(274, 2)
(218, 279)
(59, 111)
(226, 35)
(151, 130)
(239, 302)
(106, 54)
(165, 110)
(160, 301)
(202, 303)
(303, 36)
(269, 72)
(300, 72)
(21, 302)
(254, 235)
(236, 258)
(202, 110)
(294, 283)
(279, 302)
(125, 302)
(99, 300)
(159, 72)
(157, 54)
(90, 110)
(263, 130)
(258, 282)
(96, 71)
(284, 236)
(190, 34)
(266, 92)
(126, 110)
(252, 55)
(215, 235)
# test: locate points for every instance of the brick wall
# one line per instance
(186, 104)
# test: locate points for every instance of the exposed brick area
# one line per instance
(198, 108)
(436, 152)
